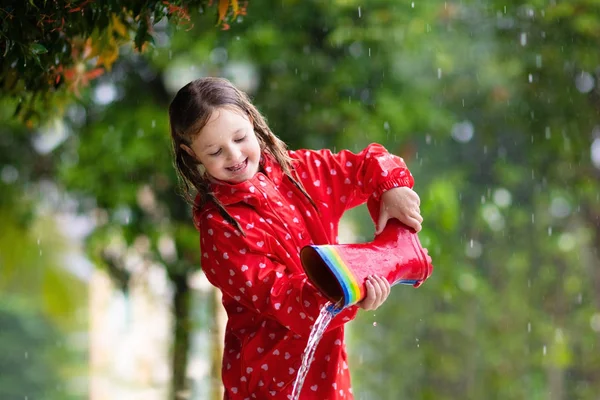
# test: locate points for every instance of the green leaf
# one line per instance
(37, 48)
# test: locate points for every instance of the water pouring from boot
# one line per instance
(339, 273)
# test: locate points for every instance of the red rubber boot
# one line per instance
(339, 271)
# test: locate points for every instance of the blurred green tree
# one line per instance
(494, 107)
(33, 353)
(52, 49)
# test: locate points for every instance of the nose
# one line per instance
(234, 153)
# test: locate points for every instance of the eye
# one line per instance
(240, 139)
(215, 153)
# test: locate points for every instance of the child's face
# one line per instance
(227, 146)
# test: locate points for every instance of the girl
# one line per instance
(256, 206)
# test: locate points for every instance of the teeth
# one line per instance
(238, 166)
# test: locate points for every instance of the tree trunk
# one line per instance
(556, 383)
(180, 388)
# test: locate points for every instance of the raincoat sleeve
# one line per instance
(345, 180)
(242, 269)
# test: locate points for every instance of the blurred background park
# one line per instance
(493, 104)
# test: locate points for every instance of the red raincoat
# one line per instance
(271, 306)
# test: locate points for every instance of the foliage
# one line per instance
(492, 104)
(31, 351)
(53, 46)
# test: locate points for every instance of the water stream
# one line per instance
(327, 313)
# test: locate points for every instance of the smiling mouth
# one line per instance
(238, 167)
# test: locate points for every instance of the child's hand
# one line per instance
(401, 203)
(378, 290)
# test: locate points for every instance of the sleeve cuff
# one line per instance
(393, 183)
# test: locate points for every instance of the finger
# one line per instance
(367, 303)
(384, 285)
(416, 215)
(378, 291)
(413, 223)
(383, 218)
(377, 286)
(388, 288)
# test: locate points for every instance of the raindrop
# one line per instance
(549, 231)
(502, 197)
(123, 215)
(530, 78)
(473, 249)
(218, 55)
(560, 207)
(529, 327)
(51, 136)
(544, 350)
(153, 123)
(355, 49)
(374, 323)
(595, 152)
(463, 131)
(548, 133)
(584, 82)
(492, 216)
(538, 61)
(386, 126)
(105, 93)
(558, 335)
(26, 355)
(567, 242)
(439, 72)
(359, 13)
(412, 4)
(523, 39)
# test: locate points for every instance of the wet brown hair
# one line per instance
(189, 112)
